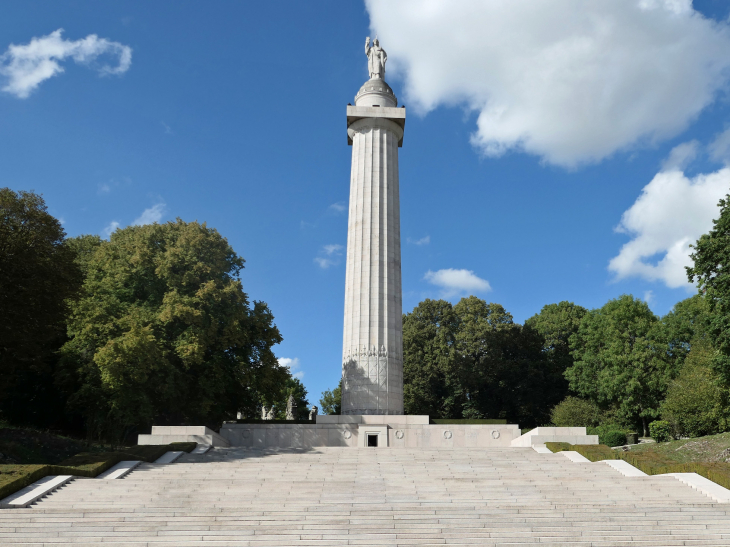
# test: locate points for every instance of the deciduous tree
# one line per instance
(163, 331)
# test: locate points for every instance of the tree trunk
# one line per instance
(645, 426)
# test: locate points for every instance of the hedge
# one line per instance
(15, 477)
(650, 463)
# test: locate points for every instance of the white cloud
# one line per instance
(332, 254)
(649, 297)
(720, 148)
(150, 215)
(104, 188)
(168, 129)
(27, 66)
(335, 249)
(338, 207)
(671, 213)
(681, 156)
(423, 241)
(568, 80)
(293, 365)
(113, 225)
(455, 282)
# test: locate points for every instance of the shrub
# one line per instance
(575, 412)
(660, 431)
(613, 438)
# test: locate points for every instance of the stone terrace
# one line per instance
(345, 496)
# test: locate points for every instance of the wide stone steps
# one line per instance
(341, 496)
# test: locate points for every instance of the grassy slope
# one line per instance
(713, 448)
(28, 446)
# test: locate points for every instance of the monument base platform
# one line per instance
(370, 431)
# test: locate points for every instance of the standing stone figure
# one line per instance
(263, 412)
(376, 59)
(313, 413)
(291, 408)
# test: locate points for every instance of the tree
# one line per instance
(429, 382)
(500, 364)
(294, 387)
(575, 412)
(38, 276)
(696, 404)
(164, 333)
(711, 271)
(331, 401)
(556, 323)
(617, 361)
(683, 326)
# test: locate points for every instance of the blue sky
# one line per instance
(564, 155)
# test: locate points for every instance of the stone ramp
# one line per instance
(340, 496)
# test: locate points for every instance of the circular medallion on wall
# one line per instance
(347, 434)
(246, 433)
(495, 434)
(399, 434)
(447, 434)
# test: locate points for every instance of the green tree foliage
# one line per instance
(711, 271)
(617, 362)
(429, 383)
(556, 323)
(291, 386)
(164, 333)
(331, 401)
(575, 412)
(661, 431)
(38, 276)
(472, 361)
(684, 325)
(696, 404)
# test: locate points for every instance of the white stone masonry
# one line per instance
(372, 368)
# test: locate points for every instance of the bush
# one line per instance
(613, 438)
(575, 412)
(660, 431)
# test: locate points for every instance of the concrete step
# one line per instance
(330, 496)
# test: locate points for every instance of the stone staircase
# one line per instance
(341, 496)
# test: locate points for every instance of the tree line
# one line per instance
(151, 326)
(619, 364)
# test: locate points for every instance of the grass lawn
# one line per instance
(28, 446)
(713, 448)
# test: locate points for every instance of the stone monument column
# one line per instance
(372, 369)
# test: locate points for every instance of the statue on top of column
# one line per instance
(376, 59)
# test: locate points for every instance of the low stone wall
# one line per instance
(400, 434)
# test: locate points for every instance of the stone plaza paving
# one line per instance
(345, 496)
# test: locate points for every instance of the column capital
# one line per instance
(395, 115)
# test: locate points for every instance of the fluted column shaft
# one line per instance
(372, 368)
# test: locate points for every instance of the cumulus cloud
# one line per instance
(681, 156)
(150, 215)
(293, 365)
(457, 282)
(568, 80)
(423, 241)
(112, 227)
(720, 148)
(329, 256)
(26, 66)
(671, 213)
(649, 297)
